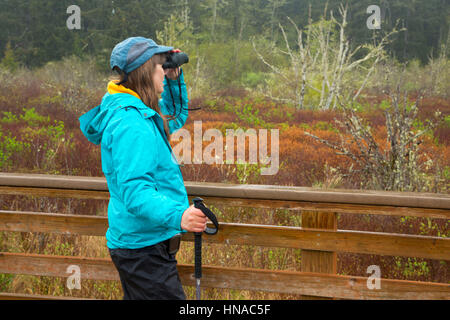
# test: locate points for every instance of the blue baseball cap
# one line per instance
(133, 52)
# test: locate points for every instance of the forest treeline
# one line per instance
(35, 31)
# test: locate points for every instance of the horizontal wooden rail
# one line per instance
(253, 203)
(330, 207)
(19, 296)
(337, 241)
(248, 234)
(291, 282)
(241, 202)
(246, 191)
(25, 221)
(55, 193)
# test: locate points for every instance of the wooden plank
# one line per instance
(55, 193)
(304, 283)
(25, 221)
(20, 296)
(241, 202)
(313, 260)
(56, 266)
(293, 193)
(247, 234)
(268, 192)
(327, 240)
(314, 284)
(53, 181)
(328, 207)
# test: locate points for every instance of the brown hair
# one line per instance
(140, 81)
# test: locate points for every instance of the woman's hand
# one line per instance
(193, 220)
(172, 74)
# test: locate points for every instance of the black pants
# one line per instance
(148, 273)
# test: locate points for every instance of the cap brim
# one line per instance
(162, 49)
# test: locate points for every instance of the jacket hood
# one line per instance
(94, 122)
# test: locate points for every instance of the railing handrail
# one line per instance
(249, 191)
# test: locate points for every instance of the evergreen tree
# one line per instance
(37, 30)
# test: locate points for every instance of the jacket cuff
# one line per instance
(175, 82)
(175, 221)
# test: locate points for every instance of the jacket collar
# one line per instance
(122, 96)
(114, 88)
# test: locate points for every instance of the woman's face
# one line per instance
(158, 78)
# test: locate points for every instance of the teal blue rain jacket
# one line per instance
(147, 192)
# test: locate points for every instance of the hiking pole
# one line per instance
(198, 203)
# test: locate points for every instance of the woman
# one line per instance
(148, 204)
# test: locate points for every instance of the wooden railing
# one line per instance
(318, 237)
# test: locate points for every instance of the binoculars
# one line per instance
(175, 59)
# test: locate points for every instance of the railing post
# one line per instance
(313, 260)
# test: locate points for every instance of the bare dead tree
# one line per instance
(316, 57)
(398, 166)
